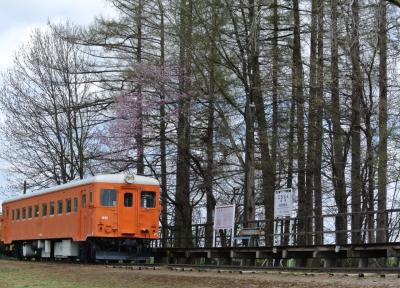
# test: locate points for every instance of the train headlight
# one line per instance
(129, 179)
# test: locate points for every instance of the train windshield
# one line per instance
(108, 197)
(128, 199)
(148, 199)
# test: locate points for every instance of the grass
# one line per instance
(24, 274)
(45, 275)
(28, 275)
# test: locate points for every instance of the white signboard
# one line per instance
(283, 203)
(224, 217)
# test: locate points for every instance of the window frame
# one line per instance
(76, 204)
(52, 208)
(30, 210)
(153, 198)
(23, 216)
(68, 204)
(109, 202)
(83, 200)
(36, 211)
(44, 209)
(131, 200)
(60, 204)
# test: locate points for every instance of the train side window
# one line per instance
(59, 206)
(13, 215)
(148, 199)
(128, 199)
(8, 214)
(90, 197)
(84, 201)
(75, 204)
(44, 209)
(51, 208)
(18, 214)
(36, 211)
(23, 213)
(68, 205)
(108, 197)
(30, 212)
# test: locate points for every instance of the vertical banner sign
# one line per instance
(224, 218)
(283, 203)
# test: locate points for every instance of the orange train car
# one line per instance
(1, 243)
(109, 216)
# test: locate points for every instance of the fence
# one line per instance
(297, 231)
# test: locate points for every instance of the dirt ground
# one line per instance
(65, 275)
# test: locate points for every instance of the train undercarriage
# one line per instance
(90, 251)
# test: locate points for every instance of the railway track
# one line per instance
(381, 272)
(312, 271)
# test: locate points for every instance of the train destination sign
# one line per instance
(283, 203)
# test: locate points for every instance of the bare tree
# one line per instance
(50, 112)
(183, 210)
(355, 125)
(339, 157)
(298, 90)
(383, 119)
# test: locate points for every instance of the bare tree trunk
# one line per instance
(275, 119)
(183, 209)
(319, 225)
(382, 220)
(356, 183)
(255, 86)
(312, 114)
(266, 167)
(291, 145)
(208, 181)
(298, 75)
(163, 138)
(370, 178)
(275, 97)
(139, 128)
(209, 175)
(249, 197)
(249, 184)
(339, 155)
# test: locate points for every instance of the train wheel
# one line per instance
(18, 252)
(87, 251)
(92, 250)
(83, 252)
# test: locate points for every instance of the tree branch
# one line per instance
(394, 2)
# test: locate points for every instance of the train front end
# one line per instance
(125, 218)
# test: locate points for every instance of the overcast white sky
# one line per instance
(19, 17)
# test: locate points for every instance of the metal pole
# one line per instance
(213, 242)
(233, 225)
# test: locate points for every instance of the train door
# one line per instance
(148, 216)
(127, 218)
(84, 215)
(4, 224)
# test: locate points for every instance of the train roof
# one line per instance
(105, 178)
